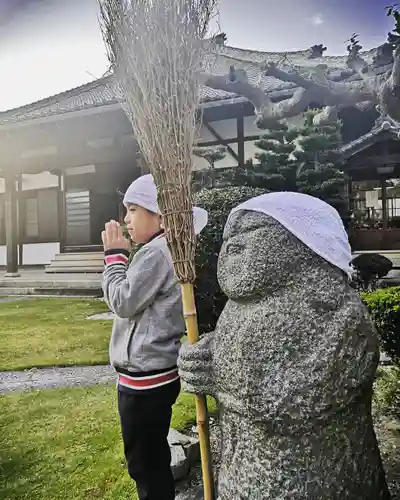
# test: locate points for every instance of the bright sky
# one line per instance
(48, 46)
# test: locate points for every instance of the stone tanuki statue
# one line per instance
(292, 360)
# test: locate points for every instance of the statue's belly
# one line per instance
(337, 461)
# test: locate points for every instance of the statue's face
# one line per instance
(258, 256)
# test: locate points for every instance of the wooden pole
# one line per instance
(61, 210)
(20, 208)
(240, 137)
(384, 204)
(189, 310)
(11, 226)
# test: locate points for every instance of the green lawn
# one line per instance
(65, 444)
(52, 332)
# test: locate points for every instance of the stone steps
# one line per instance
(82, 256)
(39, 283)
(74, 269)
(22, 291)
(76, 262)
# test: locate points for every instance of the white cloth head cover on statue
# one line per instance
(312, 221)
(143, 192)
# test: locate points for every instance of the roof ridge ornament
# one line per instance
(317, 51)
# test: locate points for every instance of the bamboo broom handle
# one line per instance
(189, 310)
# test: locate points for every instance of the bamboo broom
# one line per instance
(156, 49)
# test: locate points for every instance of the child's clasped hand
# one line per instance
(113, 237)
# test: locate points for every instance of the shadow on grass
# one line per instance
(20, 465)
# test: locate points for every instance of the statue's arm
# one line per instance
(195, 365)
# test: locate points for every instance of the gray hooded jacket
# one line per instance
(146, 300)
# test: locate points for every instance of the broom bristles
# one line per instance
(157, 52)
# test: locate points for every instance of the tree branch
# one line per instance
(389, 94)
(321, 91)
(264, 108)
(271, 69)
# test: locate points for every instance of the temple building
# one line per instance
(373, 165)
(66, 158)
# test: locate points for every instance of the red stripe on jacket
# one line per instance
(142, 383)
(116, 259)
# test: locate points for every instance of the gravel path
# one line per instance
(47, 378)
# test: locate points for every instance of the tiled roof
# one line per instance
(384, 126)
(97, 93)
(102, 92)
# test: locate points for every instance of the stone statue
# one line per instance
(291, 362)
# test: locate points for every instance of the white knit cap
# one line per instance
(143, 193)
(312, 221)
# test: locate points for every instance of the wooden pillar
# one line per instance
(385, 155)
(348, 218)
(349, 193)
(384, 204)
(11, 224)
(61, 211)
(20, 219)
(240, 137)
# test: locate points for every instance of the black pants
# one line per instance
(145, 421)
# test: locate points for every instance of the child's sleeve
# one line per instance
(128, 290)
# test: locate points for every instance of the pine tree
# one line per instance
(303, 159)
(319, 163)
(274, 168)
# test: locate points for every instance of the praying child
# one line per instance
(145, 297)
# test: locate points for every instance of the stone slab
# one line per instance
(107, 316)
(185, 451)
(195, 493)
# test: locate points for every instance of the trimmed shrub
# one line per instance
(218, 202)
(370, 268)
(384, 307)
(387, 391)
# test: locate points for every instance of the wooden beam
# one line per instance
(211, 129)
(241, 139)
(73, 154)
(375, 161)
(11, 224)
(225, 142)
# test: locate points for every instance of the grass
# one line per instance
(52, 332)
(65, 444)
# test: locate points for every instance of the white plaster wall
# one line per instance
(33, 253)
(39, 253)
(3, 255)
(227, 129)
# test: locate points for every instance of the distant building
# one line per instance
(65, 158)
